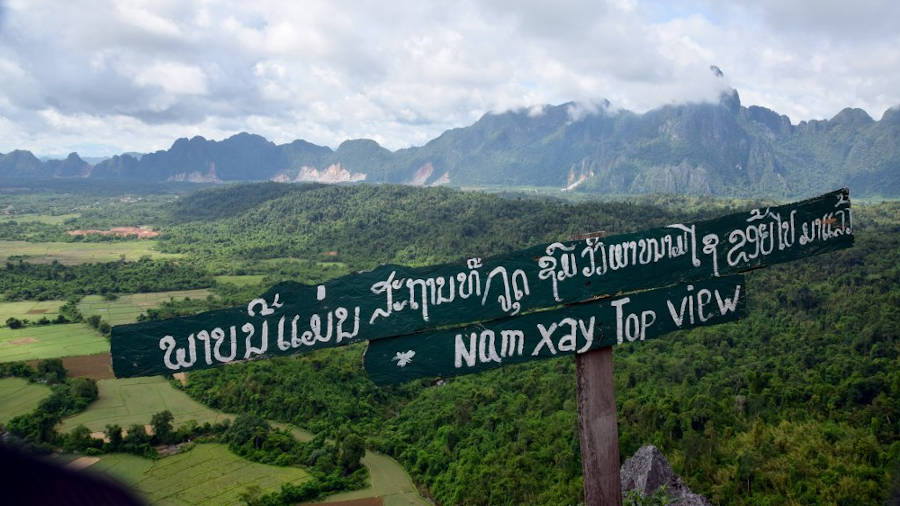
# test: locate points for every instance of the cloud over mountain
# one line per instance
(103, 76)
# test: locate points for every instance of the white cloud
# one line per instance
(137, 74)
(173, 77)
(142, 18)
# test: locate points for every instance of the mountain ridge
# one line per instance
(721, 148)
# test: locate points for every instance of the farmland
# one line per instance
(207, 474)
(48, 219)
(30, 309)
(126, 308)
(18, 397)
(97, 366)
(50, 341)
(133, 401)
(243, 280)
(71, 253)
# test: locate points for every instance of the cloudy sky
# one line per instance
(103, 77)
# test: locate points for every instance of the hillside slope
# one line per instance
(798, 403)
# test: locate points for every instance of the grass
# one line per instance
(134, 400)
(245, 280)
(19, 397)
(49, 219)
(50, 341)
(207, 474)
(126, 308)
(389, 481)
(125, 467)
(323, 265)
(37, 309)
(71, 253)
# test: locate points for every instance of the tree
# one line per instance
(114, 434)
(84, 389)
(79, 439)
(51, 370)
(162, 426)
(247, 429)
(13, 323)
(135, 436)
(352, 450)
(93, 320)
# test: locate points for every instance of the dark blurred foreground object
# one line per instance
(31, 480)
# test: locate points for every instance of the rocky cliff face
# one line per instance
(22, 164)
(72, 166)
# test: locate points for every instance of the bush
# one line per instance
(93, 320)
(16, 370)
(51, 371)
(80, 440)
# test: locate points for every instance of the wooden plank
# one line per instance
(393, 300)
(547, 334)
(598, 429)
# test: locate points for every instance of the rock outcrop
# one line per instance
(648, 470)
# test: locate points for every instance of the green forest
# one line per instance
(23, 280)
(797, 403)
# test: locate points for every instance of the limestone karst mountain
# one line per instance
(720, 148)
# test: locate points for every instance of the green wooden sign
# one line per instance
(548, 334)
(393, 300)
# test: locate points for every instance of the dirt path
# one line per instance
(82, 462)
(370, 501)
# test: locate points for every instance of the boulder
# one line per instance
(648, 470)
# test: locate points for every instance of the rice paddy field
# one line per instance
(134, 400)
(244, 280)
(71, 253)
(19, 397)
(205, 474)
(126, 308)
(49, 219)
(50, 341)
(32, 310)
(389, 482)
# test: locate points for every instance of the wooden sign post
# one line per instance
(598, 426)
(598, 429)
